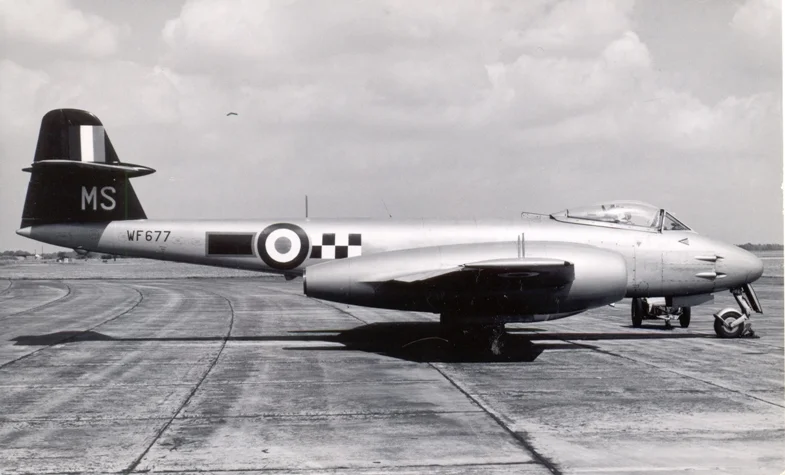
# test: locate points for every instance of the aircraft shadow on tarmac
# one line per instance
(412, 341)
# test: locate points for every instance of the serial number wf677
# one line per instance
(149, 235)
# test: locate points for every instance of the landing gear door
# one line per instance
(752, 298)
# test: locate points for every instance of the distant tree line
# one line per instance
(58, 255)
(761, 247)
(48, 255)
(16, 254)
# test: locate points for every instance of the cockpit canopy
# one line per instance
(623, 214)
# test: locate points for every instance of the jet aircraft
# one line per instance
(477, 275)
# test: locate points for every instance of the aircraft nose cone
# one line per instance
(743, 266)
(755, 266)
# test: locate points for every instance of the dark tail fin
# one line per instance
(76, 176)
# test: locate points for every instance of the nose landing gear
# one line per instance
(731, 323)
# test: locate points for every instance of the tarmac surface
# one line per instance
(247, 374)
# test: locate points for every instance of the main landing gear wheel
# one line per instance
(725, 331)
(485, 338)
(684, 318)
(637, 312)
(489, 337)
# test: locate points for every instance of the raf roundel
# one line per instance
(283, 246)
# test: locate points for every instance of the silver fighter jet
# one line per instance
(477, 275)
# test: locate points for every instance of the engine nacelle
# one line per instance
(600, 279)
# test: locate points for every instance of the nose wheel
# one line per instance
(732, 323)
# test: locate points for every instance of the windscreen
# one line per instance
(669, 223)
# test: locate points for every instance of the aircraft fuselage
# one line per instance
(658, 263)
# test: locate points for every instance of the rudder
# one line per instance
(76, 176)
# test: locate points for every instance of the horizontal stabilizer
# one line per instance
(128, 169)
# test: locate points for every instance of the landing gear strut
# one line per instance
(656, 308)
(731, 323)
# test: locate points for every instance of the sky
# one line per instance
(454, 109)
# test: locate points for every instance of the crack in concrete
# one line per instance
(520, 438)
(190, 396)
(75, 336)
(44, 305)
(10, 284)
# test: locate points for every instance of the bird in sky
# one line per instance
(231, 113)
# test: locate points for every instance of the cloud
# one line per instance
(575, 26)
(540, 74)
(547, 88)
(759, 19)
(56, 23)
(126, 92)
(672, 121)
(757, 28)
(742, 125)
(19, 94)
(227, 28)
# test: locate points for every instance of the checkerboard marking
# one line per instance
(336, 246)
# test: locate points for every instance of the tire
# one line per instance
(684, 318)
(637, 312)
(722, 331)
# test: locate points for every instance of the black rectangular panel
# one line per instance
(238, 244)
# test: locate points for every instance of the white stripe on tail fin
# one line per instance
(93, 148)
(86, 140)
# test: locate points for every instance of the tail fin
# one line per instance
(76, 176)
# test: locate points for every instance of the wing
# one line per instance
(498, 273)
(481, 278)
